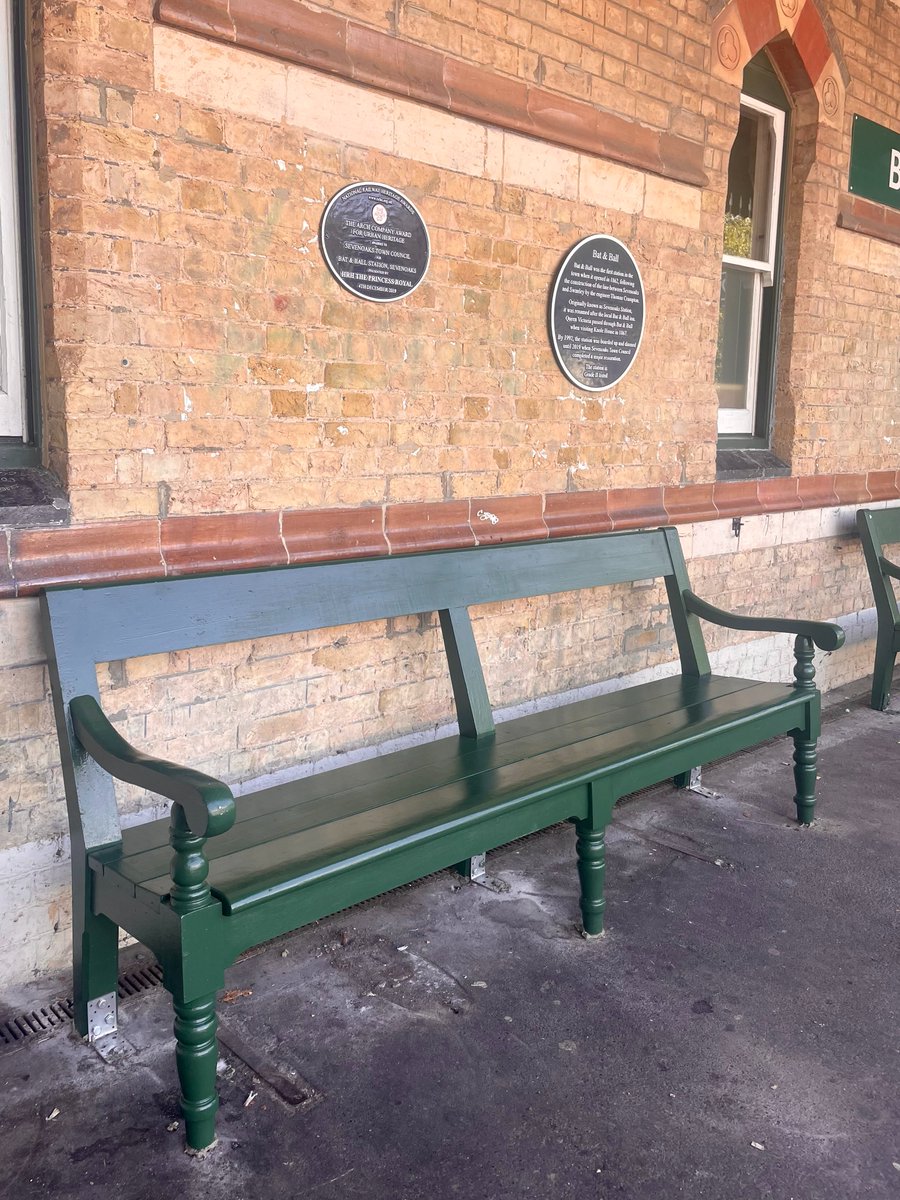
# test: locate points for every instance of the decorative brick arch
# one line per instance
(800, 43)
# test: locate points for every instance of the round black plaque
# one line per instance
(374, 242)
(597, 313)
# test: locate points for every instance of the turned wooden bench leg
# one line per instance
(590, 846)
(196, 1054)
(196, 1049)
(805, 758)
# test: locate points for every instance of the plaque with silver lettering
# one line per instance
(597, 313)
(374, 242)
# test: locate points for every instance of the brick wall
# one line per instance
(240, 376)
(201, 360)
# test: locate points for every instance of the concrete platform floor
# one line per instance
(734, 1035)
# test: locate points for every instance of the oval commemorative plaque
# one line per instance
(597, 313)
(374, 242)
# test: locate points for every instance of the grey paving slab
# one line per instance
(735, 1033)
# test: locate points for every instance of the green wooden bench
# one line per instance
(879, 528)
(224, 874)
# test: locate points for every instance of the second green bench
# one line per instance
(880, 527)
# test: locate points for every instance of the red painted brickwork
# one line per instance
(760, 21)
(811, 41)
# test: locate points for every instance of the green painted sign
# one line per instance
(875, 162)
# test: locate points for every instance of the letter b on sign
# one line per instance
(894, 180)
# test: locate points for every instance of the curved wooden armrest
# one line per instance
(207, 803)
(823, 634)
(889, 568)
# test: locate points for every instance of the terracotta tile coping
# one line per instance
(326, 41)
(118, 551)
(865, 216)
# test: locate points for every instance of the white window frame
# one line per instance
(742, 420)
(12, 342)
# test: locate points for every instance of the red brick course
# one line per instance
(110, 551)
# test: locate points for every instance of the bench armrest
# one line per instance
(824, 634)
(207, 803)
(889, 568)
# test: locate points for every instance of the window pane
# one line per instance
(750, 187)
(736, 319)
(11, 359)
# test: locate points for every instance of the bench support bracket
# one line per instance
(474, 868)
(102, 1015)
(692, 781)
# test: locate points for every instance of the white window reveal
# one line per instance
(748, 261)
(12, 357)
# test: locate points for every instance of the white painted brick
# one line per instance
(493, 153)
(714, 537)
(31, 859)
(804, 526)
(216, 76)
(424, 134)
(21, 638)
(332, 108)
(839, 522)
(884, 258)
(533, 164)
(609, 185)
(851, 249)
(761, 532)
(677, 203)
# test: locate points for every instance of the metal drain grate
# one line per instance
(42, 1021)
(32, 1024)
(141, 979)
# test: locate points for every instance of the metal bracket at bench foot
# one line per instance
(103, 1026)
(475, 870)
(696, 785)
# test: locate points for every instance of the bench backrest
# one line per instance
(87, 626)
(880, 527)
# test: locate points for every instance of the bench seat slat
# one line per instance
(417, 768)
(301, 803)
(274, 857)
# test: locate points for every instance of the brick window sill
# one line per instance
(734, 465)
(31, 497)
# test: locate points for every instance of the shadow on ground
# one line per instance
(734, 1035)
